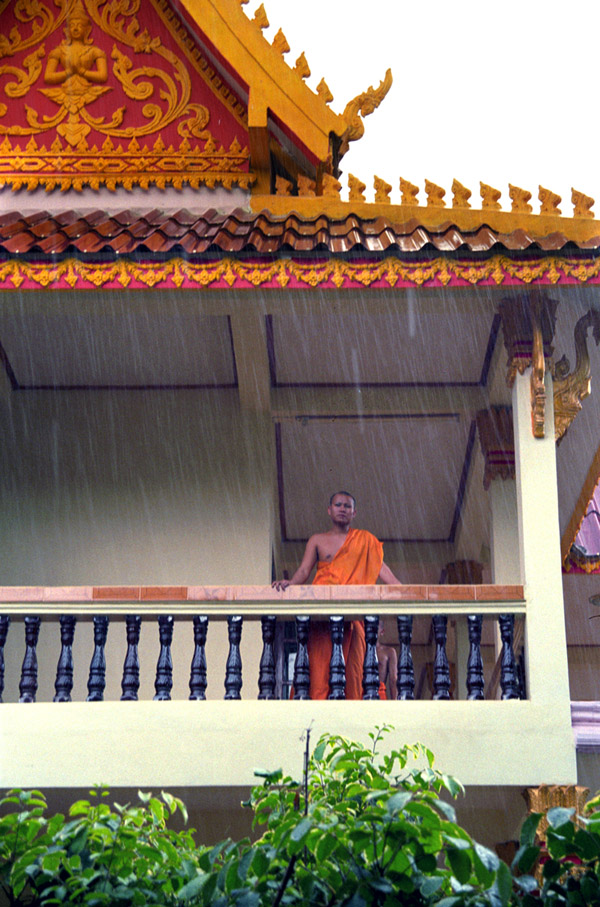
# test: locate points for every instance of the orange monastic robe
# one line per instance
(357, 563)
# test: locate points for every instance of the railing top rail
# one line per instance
(414, 594)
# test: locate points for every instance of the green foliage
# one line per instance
(372, 831)
(360, 830)
(96, 855)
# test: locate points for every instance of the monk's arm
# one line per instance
(386, 576)
(304, 570)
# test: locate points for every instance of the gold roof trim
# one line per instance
(432, 216)
(274, 85)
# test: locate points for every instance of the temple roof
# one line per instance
(241, 231)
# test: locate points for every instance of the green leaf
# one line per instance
(525, 858)
(80, 808)
(301, 829)
(529, 829)
(51, 861)
(559, 815)
(504, 882)
(326, 845)
(244, 864)
(398, 801)
(460, 863)
(192, 888)
(430, 885)
(489, 859)
(319, 750)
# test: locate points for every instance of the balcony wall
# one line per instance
(219, 743)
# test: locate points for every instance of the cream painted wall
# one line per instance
(132, 488)
(119, 488)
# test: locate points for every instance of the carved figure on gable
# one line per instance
(76, 56)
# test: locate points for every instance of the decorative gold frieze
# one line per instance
(409, 192)
(126, 165)
(571, 388)
(435, 195)
(528, 327)
(97, 60)
(520, 199)
(582, 204)
(391, 272)
(550, 201)
(357, 189)
(460, 195)
(496, 436)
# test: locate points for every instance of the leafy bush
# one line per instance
(360, 830)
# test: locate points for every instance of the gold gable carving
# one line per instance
(150, 83)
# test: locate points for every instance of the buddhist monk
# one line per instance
(346, 557)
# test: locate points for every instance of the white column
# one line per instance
(540, 561)
(506, 569)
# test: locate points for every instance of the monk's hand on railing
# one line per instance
(280, 584)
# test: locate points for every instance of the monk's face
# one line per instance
(341, 509)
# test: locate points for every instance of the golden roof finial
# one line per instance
(382, 191)
(260, 17)
(460, 195)
(435, 195)
(520, 199)
(331, 186)
(302, 67)
(280, 43)
(550, 201)
(582, 204)
(361, 106)
(282, 186)
(409, 192)
(490, 197)
(356, 188)
(324, 92)
(306, 186)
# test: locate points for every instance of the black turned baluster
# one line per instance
(301, 666)
(29, 670)
(474, 663)
(163, 683)
(406, 671)
(266, 674)
(371, 665)
(198, 667)
(337, 665)
(441, 668)
(233, 667)
(97, 676)
(131, 666)
(4, 625)
(509, 677)
(64, 669)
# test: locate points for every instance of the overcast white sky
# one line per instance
(499, 92)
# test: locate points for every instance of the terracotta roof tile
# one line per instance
(155, 232)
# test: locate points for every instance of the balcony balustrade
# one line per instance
(24, 609)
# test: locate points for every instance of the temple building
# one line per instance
(207, 327)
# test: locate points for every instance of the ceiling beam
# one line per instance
(295, 402)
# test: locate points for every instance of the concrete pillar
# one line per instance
(539, 550)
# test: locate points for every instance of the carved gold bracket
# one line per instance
(571, 388)
(528, 324)
(496, 436)
(361, 106)
(541, 799)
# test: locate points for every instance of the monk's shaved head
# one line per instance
(346, 493)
